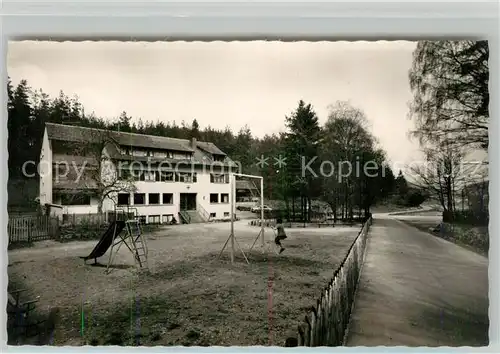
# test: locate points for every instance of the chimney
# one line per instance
(193, 143)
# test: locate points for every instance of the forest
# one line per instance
(329, 152)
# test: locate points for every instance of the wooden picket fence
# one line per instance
(326, 323)
(32, 228)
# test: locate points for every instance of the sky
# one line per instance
(229, 83)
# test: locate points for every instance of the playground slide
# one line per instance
(106, 240)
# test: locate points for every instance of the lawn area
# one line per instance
(189, 297)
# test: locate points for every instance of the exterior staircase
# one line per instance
(184, 217)
(191, 217)
(195, 217)
(200, 215)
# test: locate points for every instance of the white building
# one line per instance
(159, 178)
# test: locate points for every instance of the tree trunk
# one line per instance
(441, 196)
(99, 206)
(366, 199)
(301, 207)
(449, 195)
(342, 210)
(334, 206)
(309, 209)
(346, 200)
(463, 199)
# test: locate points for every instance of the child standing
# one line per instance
(280, 234)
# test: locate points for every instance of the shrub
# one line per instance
(415, 199)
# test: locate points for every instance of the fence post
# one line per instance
(325, 324)
(313, 329)
(29, 224)
(57, 229)
(307, 336)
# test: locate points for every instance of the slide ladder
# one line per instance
(139, 246)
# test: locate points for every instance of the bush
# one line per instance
(467, 217)
(415, 199)
(82, 232)
(412, 199)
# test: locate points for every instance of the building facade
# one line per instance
(88, 171)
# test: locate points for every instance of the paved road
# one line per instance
(419, 290)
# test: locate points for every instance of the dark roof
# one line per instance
(75, 133)
(68, 184)
(71, 133)
(77, 160)
(210, 148)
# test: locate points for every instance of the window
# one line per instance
(125, 174)
(139, 198)
(213, 215)
(140, 152)
(168, 154)
(154, 198)
(159, 154)
(138, 175)
(154, 219)
(149, 176)
(186, 177)
(181, 156)
(167, 176)
(74, 199)
(123, 199)
(168, 198)
(219, 178)
(125, 150)
(219, 158)
(214, 198)
(226, 213)
(166, 219)
(224, 198)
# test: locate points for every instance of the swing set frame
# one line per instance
(232, 238)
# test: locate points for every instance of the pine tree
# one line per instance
(301, 147)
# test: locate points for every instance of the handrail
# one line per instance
(129, 209)
(204, 214)
(185, 216)
(126, 211)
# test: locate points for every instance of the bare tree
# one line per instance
(449, 80)
(348, 143)
(101, 173)
(443, 175)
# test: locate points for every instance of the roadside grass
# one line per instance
(475, 238)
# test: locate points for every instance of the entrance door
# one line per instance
(188, 201)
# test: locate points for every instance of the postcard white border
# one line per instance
(238, 20)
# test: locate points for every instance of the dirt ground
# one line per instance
(189, 297)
